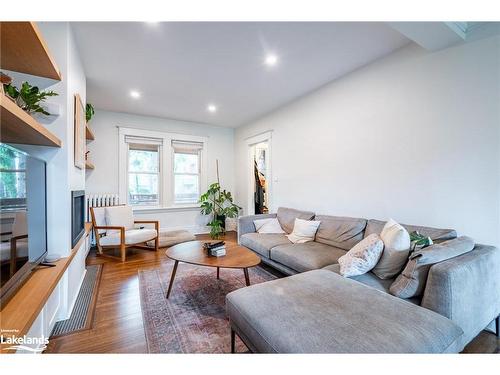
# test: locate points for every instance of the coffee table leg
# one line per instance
(172, 278)
(247, 278)
(217, 272)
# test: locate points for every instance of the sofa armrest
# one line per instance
(245, 223)
(466, 289)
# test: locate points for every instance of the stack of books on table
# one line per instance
(216, 249)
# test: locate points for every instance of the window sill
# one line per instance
(156, 209)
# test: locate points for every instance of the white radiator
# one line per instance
(100, 200)
(103, 200)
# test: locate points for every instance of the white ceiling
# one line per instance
(179, 68)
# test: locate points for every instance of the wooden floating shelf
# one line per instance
(22, 310)
(89, 134)
(24, 50)
(18, 126)
(89, 165)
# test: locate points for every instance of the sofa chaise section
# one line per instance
(322, 312)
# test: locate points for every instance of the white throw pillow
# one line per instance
(396, 250)
(362, 257)
(119, 216)
(303, 231)
(268, 226)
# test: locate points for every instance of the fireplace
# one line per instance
(77, 215)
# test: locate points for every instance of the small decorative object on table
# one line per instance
(216, 249)
(419, 241)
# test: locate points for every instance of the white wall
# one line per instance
(414, 136)
(104, 154)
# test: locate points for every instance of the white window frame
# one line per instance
(166, 155)
(200, 161)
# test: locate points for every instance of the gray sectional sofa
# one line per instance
(316, 310)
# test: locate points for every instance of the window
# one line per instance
(12, 179)
(143, 174)
(160, 170)
(186, 172)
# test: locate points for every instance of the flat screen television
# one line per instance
(23, 218)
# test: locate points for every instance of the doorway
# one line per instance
(259, 175)
(261, 185)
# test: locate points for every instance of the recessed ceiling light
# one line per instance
(212, 108)
(135, 94)
(271, 60)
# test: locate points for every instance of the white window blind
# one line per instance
(143, 140)
(187, 171)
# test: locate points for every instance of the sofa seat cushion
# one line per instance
(133, 236)
(262, 243)
(322, 312)
(368, 279)
(307, 256)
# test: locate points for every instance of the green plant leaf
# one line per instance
(29, 97)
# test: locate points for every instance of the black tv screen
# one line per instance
(23, 217)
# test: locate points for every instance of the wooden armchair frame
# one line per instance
(123, 246)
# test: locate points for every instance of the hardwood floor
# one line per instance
(117, 325)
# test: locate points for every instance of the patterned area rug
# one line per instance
(193, 319)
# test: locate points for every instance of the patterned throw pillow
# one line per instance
(362, 257)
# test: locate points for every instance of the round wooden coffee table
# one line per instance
(192, 252)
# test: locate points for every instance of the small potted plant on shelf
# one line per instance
(28, 98)
(219, 205)
(89, 112)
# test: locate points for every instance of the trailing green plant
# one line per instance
(219, 204)
(28, 97)
(89, 112)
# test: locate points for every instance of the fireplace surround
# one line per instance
(77, 215)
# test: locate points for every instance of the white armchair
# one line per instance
(114, 227)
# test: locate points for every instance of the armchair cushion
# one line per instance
(119, 216)
(132, 237)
